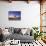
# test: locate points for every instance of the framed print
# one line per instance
(14, 15)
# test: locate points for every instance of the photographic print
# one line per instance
(14, 15)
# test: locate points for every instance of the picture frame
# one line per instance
(14, 15)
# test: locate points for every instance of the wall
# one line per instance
(30, 14)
